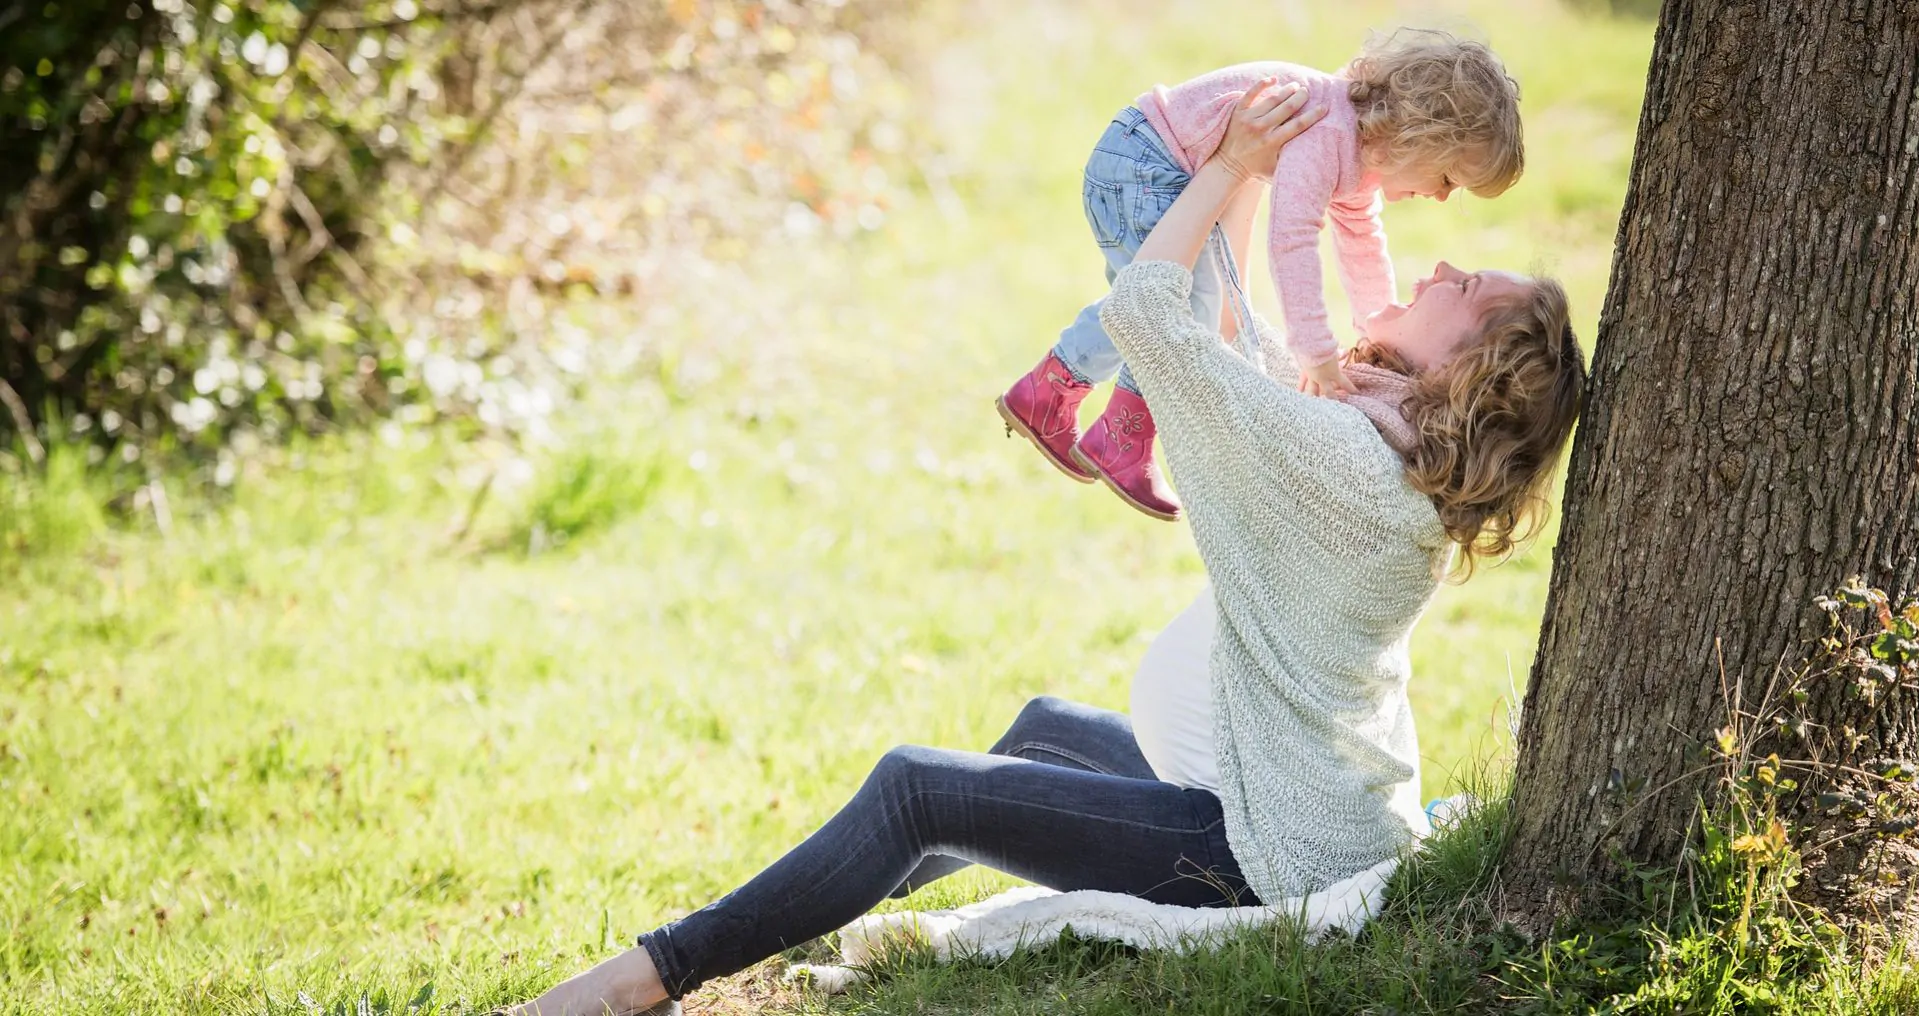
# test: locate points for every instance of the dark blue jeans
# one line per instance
(1065, 799)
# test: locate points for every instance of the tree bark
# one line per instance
(1752, 436)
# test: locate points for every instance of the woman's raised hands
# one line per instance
(1267, 117)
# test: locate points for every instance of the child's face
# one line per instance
(1398, 184)
(1447, 307)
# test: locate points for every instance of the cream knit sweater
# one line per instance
(1322, 557)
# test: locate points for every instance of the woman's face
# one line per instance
(1447, 307)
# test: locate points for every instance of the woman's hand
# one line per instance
(1266, 118)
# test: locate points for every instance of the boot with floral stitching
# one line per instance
(1119, 451)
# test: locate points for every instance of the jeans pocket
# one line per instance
(1156, 184)
(1106, 211)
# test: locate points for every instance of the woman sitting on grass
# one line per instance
(1287, 761)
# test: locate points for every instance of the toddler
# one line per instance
(1418, 112)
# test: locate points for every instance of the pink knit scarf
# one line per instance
(1380, 394)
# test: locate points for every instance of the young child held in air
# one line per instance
(1417, 113)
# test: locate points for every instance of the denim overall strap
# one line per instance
(1243, 313)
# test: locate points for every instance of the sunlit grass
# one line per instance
(350, 730)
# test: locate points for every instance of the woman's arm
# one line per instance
(1181, 233)
(1260, 127)
(1238, 224)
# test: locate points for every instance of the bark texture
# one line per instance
(1753, 431)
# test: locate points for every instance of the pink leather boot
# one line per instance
(1119, 450)
(1043, 407)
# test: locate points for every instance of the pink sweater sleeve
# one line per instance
(1359, 240)
(1303, 184)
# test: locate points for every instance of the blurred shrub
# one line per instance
(584, 492)
(223, 223)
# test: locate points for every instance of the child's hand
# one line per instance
(1265, 120)
(1325, 380)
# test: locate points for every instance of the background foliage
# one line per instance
(230, 221)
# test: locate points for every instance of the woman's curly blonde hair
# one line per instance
(1491, 421)
(1427, 99)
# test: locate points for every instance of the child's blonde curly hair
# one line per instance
(1432, 100)
(1492, 419)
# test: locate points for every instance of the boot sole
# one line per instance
(1014, 426)
(1093, 467)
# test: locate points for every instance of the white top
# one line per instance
(1322, 557)
(1172, 702)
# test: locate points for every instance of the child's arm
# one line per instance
(1359, 240)
(1303, 181)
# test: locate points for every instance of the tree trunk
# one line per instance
(1753, 432)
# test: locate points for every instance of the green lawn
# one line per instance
(309, 744)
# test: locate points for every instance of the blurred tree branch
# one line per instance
(550, 42)
(22, 422)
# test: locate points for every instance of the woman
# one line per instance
(1289, 763)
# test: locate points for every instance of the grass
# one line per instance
(352, 737)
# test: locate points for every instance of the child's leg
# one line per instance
(1129, 178)
(1129, 183)
(1083, 346)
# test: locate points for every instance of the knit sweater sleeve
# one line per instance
(1193, 380)
(1304, 179)
(1276, 361)
(1359, 240)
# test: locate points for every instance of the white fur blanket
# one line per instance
(995, 927)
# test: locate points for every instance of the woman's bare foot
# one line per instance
(626, 985)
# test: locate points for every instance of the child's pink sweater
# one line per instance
(1317, 174)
